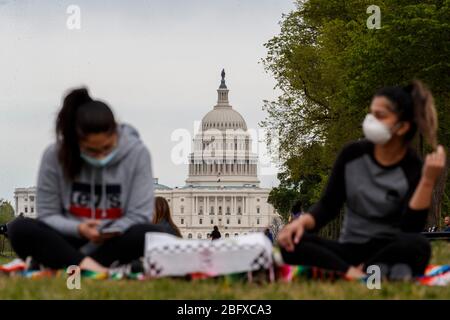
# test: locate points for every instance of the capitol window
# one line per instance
(199, 236)
(228, 210)
(239, 210)
(212, 221)
(239, 221)
(257, 221)
(200, 221)
(257, 209)
(182, 209)
(190, 236)
(182, 221)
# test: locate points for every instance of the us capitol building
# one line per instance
(222, 188)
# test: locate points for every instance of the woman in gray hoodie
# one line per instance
(94, 192)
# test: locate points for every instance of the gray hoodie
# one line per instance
(121, 191)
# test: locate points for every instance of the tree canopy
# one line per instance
(6, 211)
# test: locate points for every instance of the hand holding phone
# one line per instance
(108, 231)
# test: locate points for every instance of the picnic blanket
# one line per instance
(250, 258)
(435, 275)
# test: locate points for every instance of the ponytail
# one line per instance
(425, 115)
(79, 116)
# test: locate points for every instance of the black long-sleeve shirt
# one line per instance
(376, 197)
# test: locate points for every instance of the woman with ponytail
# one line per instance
(386, 189)
(94, 192)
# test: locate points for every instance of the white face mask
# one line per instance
(376, 131)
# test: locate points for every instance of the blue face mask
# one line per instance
(99, 162)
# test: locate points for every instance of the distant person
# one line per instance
(296, 210)
(447, 224)
(4, 230)
(386, 189)
(162, 216)
(268, 234)
(94, 192)
(215, 234)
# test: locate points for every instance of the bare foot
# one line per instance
(355, 273)
(90, 264)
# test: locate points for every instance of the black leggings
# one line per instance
(408, 248)
(34, 238)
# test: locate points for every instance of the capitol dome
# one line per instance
(223, 116)
(222, 155)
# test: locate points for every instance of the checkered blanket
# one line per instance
(166, 255)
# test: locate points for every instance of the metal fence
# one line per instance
(332, 229)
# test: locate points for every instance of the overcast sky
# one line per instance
(157, 63)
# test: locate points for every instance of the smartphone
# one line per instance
(108, 228)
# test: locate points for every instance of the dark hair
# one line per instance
(162, 212)
(415, 104)
(216, 228)
(79, 116)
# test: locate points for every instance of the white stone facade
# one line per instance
(235, 210)
(25, 202)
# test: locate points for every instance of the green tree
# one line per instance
(283, 199)
(6, 211)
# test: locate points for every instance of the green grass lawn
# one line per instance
(55, 288)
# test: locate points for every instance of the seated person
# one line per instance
(447, 224)
(162, 217)
(386, 189)
(94, 192)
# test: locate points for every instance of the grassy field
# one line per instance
(55, 288)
